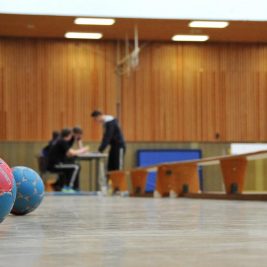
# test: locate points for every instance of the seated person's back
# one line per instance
(46, 149)
(58, 153)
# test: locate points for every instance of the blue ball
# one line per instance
(30, 190)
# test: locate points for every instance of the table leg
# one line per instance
(97, 173)
(91, 175)
(101, 174)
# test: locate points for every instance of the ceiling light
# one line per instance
(190, 38)
(84, 35)
(208, 24)
(94, 21)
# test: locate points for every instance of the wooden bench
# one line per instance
(118, 181)
(182, 178)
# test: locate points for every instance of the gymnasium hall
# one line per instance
(133, 133)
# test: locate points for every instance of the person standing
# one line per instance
(112, 137)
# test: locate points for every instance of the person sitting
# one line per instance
(43, 156)
(76, 140)
(46, 149)
(77, 135)
(61, 159)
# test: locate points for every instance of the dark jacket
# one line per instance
(112, 135)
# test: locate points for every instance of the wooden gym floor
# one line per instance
(113, 231)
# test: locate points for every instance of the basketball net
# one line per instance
(130, 61)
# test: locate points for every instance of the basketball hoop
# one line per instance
(131, 60)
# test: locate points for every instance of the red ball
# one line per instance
(7, 190)
(6, 175)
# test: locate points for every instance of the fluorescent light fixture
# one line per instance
(94, 21)
(190, 38)
(208, 24)
(84, 35)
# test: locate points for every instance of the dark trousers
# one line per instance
(68, 175)
(116, 158)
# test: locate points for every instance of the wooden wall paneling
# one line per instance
(151, 117)
(2, 100)
(139, 101)
(165, 91)
(179, 92)
(191, 101)
(110, 78)
(170, 111)
(179, 119)
(157, 116)
(220, 105)
(128, 106)
(253, 123)
(209, 86)
(208, 104)
(147, 107)
(50, 84)
(233, 106)
(262, 106)
(196, 91)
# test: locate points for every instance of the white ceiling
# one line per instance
(162, 9)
